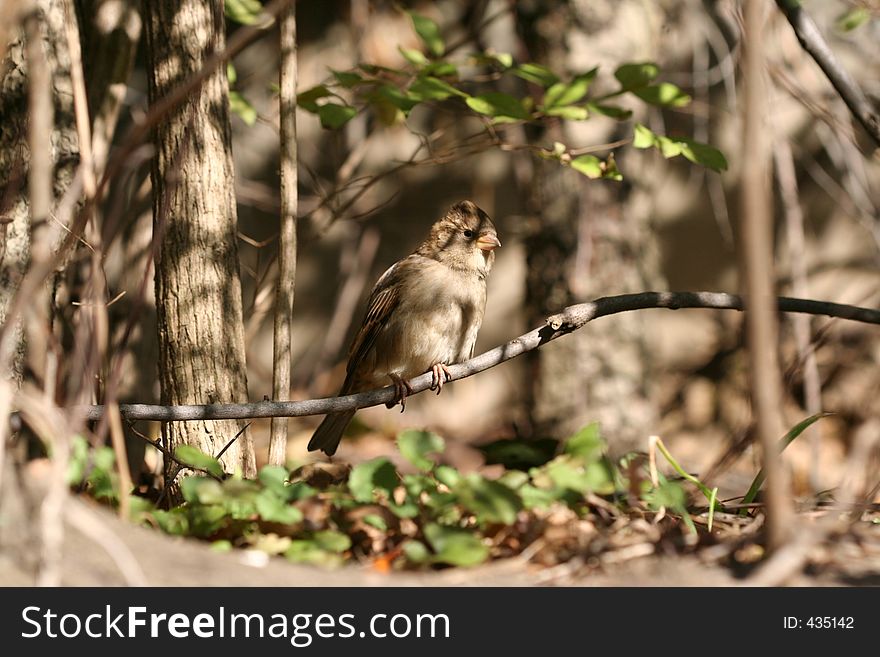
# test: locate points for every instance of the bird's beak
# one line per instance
(488, 242)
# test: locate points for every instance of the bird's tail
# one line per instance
(327, 435)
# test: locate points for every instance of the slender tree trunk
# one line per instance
(588, 241)
(758, 279)
(198, 291)
(287, 234)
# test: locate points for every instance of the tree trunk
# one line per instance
(36, 63)
(589, 241)
(198, 290)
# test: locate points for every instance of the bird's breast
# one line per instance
(436, 321)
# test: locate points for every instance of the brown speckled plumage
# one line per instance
(424, 312)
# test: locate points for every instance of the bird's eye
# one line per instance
(468, 233)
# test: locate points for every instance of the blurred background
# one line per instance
(369, 192)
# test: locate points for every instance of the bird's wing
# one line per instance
(383, 299)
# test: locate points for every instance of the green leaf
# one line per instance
(570, 112)
(335, 116)
(589, 165)
(569, 473)
(395, 97)
(850, 20)
(643, 137)
(197, 459)
(308, 551)
(566, 93)
(240, 106)
(366, 477)
(502, 107)
(415, 445)
(441, 69)
(447, 475)
(430, 88)
(635, 76)
(663, 94)
(375, 520)
(274, 477)
(429, 32)
(536, 498)
(787, 439)
(300, 490)
(536, 73)
(139, 509)
(231, 75)
(273, 508)
(270, 543)
(245, 12)
(406, 509)
(669, 494)
(697, 152)
(307, 98)
(78, 461)
(514, 479)
(104, 459)
(611, 111)
(415, 57)
(173, 522)
(454, 546)
(503, 60)
(223, 545)
(490, 501)
(332, 541)
(703, 154)
(201, 490)
(415, 551)
(586, 443)
(417, 484)
(347, 79)
(206, 520)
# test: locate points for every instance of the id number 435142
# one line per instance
(819, 622)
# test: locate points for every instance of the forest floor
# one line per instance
(100, 550)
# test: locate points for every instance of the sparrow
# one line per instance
(423, 314)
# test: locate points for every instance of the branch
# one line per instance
(813, 42)
(570, 319)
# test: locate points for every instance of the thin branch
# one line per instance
(814, 43)
(570, 319)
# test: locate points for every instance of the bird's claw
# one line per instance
(402, 388)
(439, 375)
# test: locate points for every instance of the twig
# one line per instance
(287, 237)
(233, 439)
(570, 319)
(168, 454)
(813, 42)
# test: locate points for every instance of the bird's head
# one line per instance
(465, 238)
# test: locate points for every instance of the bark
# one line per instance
(15, 158)
(589, 241)
(287, 234)
(36, 103)
(198, 291)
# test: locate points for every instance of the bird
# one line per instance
(423, 315)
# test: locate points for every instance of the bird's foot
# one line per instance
(439, 375)
(402, 388)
